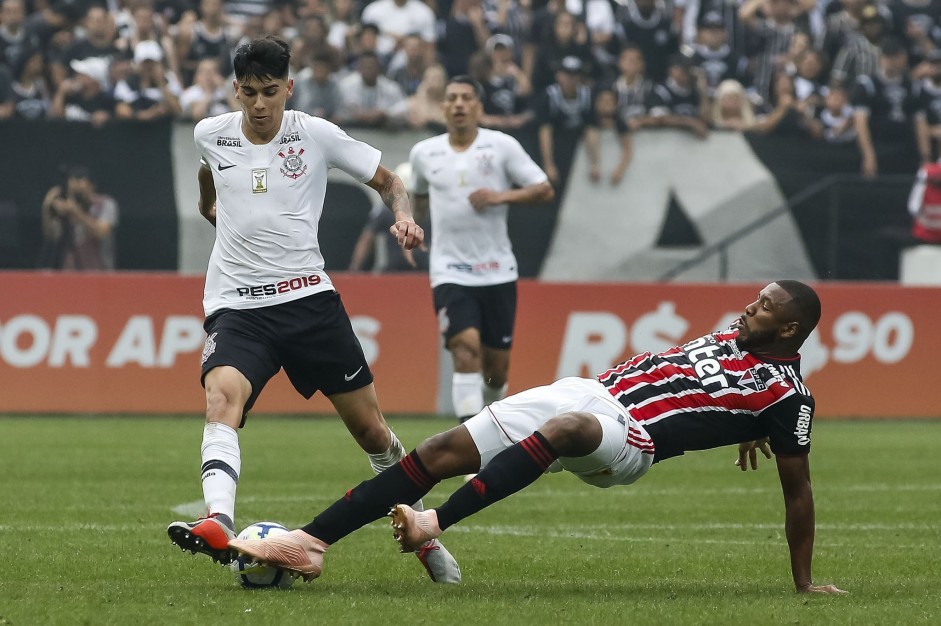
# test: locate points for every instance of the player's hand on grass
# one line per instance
(408, 234)
(828, 589)
(748, 455)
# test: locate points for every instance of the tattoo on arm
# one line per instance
(395, 196)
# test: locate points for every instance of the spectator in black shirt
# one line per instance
(677, 103)
(30, 94)
(648, 24)
(563, 43)
(714, 59)
(884, 106)
(633, 88)
(606, 115)
(563, 113)
(928, 115)
(99, 41)
(84, 98)
(15, 39)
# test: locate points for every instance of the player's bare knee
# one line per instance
(573, 434)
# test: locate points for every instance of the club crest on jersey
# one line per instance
(293, 165)
(749, 380)
(485, 164)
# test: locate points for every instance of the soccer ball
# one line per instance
(250, 574)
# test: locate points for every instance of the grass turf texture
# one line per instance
(86, 502)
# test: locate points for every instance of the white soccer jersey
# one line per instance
(269, 199)
(469, 247)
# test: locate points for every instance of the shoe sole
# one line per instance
(399, 522)
(187, 540)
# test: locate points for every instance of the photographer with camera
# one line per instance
(78, 225)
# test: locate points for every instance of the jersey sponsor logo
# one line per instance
(274, 289)
(489, 266)
(293, 165)
(229, 142)
(260, 180)
(705, 363)
(802, 431)
(209, 347)
(295, 136)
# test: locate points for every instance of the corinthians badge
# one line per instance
(293, 166)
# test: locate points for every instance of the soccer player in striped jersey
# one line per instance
(739, 386)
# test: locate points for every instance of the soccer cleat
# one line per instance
(413, 528)
(206, 535)
(439, 563)
(295, 552)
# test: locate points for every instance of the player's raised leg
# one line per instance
(227, 391)
(360, 412)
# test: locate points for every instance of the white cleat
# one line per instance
(438, 562)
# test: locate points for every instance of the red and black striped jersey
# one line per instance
(710, 393)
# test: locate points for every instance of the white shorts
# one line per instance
(626, 451)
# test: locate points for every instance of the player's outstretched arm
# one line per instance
(394, 195)
(207, 194)
(747, 453)
(794, 472)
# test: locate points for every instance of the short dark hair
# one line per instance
(265, 58)
(805, 305)
(464, 79)
(892, 47)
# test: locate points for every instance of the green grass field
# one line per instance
(85, 503)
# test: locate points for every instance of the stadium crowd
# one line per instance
(833, 70)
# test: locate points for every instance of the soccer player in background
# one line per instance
(738, 386)
(466, 178)
(268, 303)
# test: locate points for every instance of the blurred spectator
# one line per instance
(928, 109)
(465, 32)
(787, 115)
(916, 21)
(369, 98)
(208, 95)
(317, 91)
(411, 65)
(366, 40)
(731, 108)
(7, 96)
(426, 106)
(809, 84)
(714, 59)
(342, 26)
(313, 33)
(98, 42)
(138, 22)
(511, 18)
(833, 122)
(208, 37)
(83, 97)
(841, 23)
(598, 19)
(649, 25)
(244, 11)
(151, 92)
(30, 94)
(15, 39)
(633, 88)
(563, 112)
(607, 118)
(771, 29)
(696, 12)
(398, 18)
(78, 225)
(884, 105)
(676, 102)
(860, 52)
(505, 93)
(52, 26)
(562, 43)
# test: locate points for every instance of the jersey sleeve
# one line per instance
(358, 159)
(199, 138)
(419, 182)
(520, 167)
(789, 423)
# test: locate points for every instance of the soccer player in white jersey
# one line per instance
(268, 303)
(742, 385)
(467, 178)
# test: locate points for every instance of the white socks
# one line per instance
(467, 394)
(222, 463)
(492, 394)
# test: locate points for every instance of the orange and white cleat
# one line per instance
(207, 535)
(438, 562)
(295, 552)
